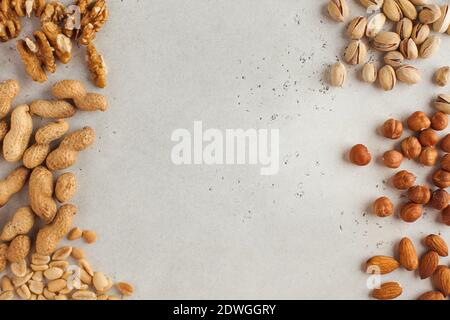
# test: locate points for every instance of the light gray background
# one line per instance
(225, 231)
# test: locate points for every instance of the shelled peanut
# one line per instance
(400, 30)
(37, 268)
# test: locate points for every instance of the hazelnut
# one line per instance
(360, 155)
(428, 138)
(446, 216)
(411, 148)
(411, 212)
(403, 180)
(439, 200)
(392, 129)
(445, 143)
(418, 121)
(439, 121)
(445, 162)
(429, 156)
(441, 179)
(383, 207)
(419, 194)
(392, 159)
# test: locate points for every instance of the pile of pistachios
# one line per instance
(402, 30)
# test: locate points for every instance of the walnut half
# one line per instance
(97, 66)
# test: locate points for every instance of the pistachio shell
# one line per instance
(430, 13)
(409, 49)
(357, 28)
(386, 41)
(420, 33)
(404, 28)
(369, 73)
(356, 52)
(375, 24)
(338, 74)
(442, 103)
(338, 10)
(408, 9)
(408, 74)
(392, 10)
(443, 23)
(394, 59)
(429, 47)
(387, 78)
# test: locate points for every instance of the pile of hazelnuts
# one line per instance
(423, 147)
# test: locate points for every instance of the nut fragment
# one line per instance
(338, 75)
(89, 236)
(84, 295)
(62, 254)
(441, 77)
(53, 273)
(383, 207)
(97, 65)
(31, 61)
(75, 234)
(125, 288)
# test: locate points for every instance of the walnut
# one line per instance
(84, 5)
(32, 63)
(9, 21)
(61, 43)
(45, 52)
(97, 66)
(92, 21)
(54, 12)
(38, 6)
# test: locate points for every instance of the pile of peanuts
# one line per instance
(34, 266)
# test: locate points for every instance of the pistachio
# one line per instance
(420, 2)
(429, 47)
(430, 13)
(392, 10)
(442, 24)
(375, 24)
(409, 49)
(355, 52)
(394, 59)
(442, 75)
(386, 41)
(408, 74)
(387, 78)
(338, 10)
(369, 73)
(408, 9)
(338, 74)
(357, 28)
(420, 33)
(372, 5)
(404, 28)
(442, 103)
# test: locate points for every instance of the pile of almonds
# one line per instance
(408, 36)
(428, 267)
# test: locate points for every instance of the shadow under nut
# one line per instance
(52, 109)
(48, 237)
(13, 184)
(40, 191)
(17, 139)
(9, 89)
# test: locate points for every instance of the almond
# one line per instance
(388, 291)
(384, 264)
(432, 295)
(441, 280)
(428, 264)
(437, 244)
(408, 255)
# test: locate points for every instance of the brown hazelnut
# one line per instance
(446, 216)
(419, 194)
(445, 143)
(383, 207)
(403, 180)
(411, 148)
(445, 162)
(439, 200)
(439, 121)
(419, 121)
(360, 155)
(392, 159)
(428, 138)
(411, 212)
(441, 179)
(429, 156)
(392, 129)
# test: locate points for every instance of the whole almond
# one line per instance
(441, 280)
(428, 264)
(407, 255)
(382, 264)
(437, 244)
(388, 291)
(432, 295)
